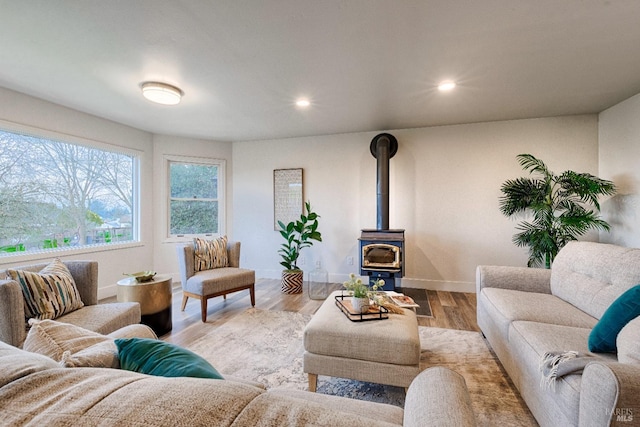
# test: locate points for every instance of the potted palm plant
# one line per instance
(559, 204)
(298, 235)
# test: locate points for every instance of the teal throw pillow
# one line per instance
(602, 338)
(155, 357)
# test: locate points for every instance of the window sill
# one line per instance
(47, 254)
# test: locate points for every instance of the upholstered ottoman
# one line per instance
(379, 351)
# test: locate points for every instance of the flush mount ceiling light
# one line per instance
(303, 103)
(446, 86)
(161, 93)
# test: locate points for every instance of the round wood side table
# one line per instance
(154, 297)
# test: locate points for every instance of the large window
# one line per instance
(196, 202)
(56, 194)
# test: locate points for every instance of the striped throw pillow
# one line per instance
(210, 254)
(48, 294)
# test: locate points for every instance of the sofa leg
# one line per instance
(252, 294)
(184, 302)
(203, 308)
(313, 382)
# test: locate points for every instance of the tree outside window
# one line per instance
(56, 194)
(195, 202)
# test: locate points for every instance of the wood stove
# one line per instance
(382, 249)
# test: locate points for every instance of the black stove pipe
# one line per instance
(383, 147)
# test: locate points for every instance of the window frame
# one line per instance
(221, 199)
(65, 138)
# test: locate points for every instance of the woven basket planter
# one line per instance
(292, 282)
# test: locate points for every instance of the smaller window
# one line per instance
(196, 202)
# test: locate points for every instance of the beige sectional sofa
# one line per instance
(101, 318)
(35, 390)
(525, 312)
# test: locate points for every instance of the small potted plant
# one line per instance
(298, 235)
(361, 292)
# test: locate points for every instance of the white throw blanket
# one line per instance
(556, 364)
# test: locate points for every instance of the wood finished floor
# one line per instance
(451, 310)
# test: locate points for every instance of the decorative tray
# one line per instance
(344, 304)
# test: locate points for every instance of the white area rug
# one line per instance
(266, 346)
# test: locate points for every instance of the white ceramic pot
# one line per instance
(360, 305)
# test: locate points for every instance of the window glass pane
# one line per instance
(55, 194)
(193, 181)
(194, 217)
(194, 191)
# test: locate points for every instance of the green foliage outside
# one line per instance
(194, 204)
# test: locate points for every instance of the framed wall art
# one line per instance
(287, 196)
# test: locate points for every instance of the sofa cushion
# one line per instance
(628, 343)
(17, 364)
(624, 309)
(48, 294)
(218, 280)
(210, 254)
(104, 318)
(376, 411)
(275, 409)
(95, 396)
(506, 306)
(529, 342)
(591, 275)
(154, 357)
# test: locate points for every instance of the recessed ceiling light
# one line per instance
(161, 93)
(445, 86)
(303, 103)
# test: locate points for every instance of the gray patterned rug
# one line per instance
(266, 346)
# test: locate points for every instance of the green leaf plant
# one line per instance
(298, 235)
(562, 208)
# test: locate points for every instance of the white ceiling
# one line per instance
(366, 65)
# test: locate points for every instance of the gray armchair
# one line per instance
(101, 318)
(207, 284)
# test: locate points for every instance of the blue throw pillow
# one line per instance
(602, 338)
(155, 357)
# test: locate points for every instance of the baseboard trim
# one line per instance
(434, 285)
(439, 285)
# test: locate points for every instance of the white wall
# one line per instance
(444, 190)
(18, 110)
(619, 154)
(165, 258)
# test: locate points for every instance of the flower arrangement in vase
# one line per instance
(361, 292)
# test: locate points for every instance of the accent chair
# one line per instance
(213, 282)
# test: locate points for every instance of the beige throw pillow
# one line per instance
(210, 254)
(48, 294)
(70, 345)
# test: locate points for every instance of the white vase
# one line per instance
(360, 305)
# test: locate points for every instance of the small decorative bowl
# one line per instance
(142, 276)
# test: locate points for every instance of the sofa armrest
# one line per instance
(609, 395)
(12, 320)
(85, 274)
(440, 396)
(516, 278)
(233, 252)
